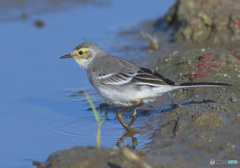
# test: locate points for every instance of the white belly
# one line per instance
(131, 96)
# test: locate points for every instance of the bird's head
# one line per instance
(84, 53)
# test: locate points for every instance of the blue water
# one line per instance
(38, 115)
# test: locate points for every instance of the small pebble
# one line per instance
(39, 23)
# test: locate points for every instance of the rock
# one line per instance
(214, 22)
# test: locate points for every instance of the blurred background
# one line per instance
(42, 106)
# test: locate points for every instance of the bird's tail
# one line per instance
(203, 84)
(198, 84)
(168, 88)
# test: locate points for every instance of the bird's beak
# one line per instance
(67, 56)
(71, 55)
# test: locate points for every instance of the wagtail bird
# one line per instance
(122, 82)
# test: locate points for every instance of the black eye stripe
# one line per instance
(80, 52)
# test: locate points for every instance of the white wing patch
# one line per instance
(104, 76)
(116, 79)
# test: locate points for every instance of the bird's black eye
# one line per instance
(80, 52)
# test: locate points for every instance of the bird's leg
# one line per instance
(134, 116)
(134, 112)
(125, 115)
(119, 116)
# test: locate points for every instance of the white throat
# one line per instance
(83, 63)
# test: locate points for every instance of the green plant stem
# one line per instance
(97, 117)
(170, 97)
(98, 136)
